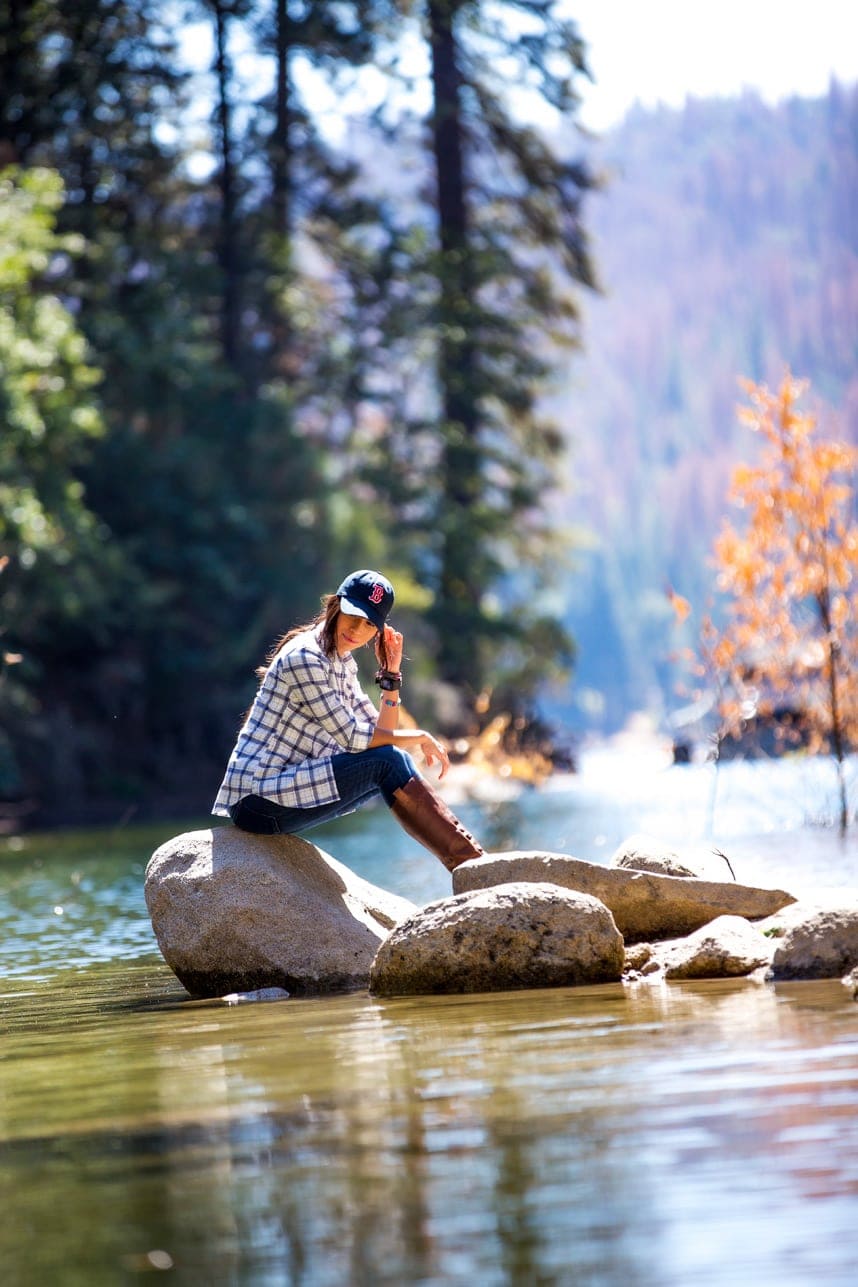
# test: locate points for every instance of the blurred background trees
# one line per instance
(279, 351)
(296, 287)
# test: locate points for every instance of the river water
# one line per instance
(652, 1135)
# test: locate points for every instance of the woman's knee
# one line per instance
(255, 815)
(381, 768)
(399, 761)
(397, 768)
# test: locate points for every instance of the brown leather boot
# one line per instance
(423, 814)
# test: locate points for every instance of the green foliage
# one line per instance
(57, 565)
(50, 416)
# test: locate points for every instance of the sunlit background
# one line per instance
(244, 349)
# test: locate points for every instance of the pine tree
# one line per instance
(510, 243)
(319, 270)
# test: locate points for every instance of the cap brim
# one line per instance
(355, 610)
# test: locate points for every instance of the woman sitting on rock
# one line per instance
(314, 747)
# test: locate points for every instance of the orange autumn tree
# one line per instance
(791, 576)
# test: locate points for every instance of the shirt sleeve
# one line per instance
(312, 694)
(364, 705)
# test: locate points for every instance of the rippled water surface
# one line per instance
(672, 1134)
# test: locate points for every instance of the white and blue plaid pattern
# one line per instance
(309, 707)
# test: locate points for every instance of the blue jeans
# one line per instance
(359, 776)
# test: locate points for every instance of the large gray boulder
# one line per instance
(645, 905)
(819, 943)
(234, 913)
(519, 935)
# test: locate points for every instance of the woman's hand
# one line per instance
(409, 739)
(393, 645)
(433, 752)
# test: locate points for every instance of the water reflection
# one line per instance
(700, 1133)
(656, 1135)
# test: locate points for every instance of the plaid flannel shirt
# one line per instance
(308, 708)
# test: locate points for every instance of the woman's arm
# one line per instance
(387, 730)
(388, 709)
(414, 739)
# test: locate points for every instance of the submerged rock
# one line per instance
(645, 905)
(234, 913)
(510, 936)
(261, 994)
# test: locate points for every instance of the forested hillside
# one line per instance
(726, 240)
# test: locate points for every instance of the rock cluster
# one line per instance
(644, 904)
(253, 916)
(810, 937)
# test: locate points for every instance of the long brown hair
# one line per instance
(327, 619)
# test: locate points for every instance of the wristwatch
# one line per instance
(388, 681)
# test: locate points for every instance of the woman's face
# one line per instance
(352, 632)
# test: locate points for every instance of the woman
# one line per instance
(313, 746)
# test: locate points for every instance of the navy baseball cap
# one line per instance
(367, 594)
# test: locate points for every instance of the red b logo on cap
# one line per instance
(377, 594)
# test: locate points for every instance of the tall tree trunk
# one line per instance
(459, 588)
(13, 60)
(837, 738)
(228, 257)
(281, 147)
(282, 161)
